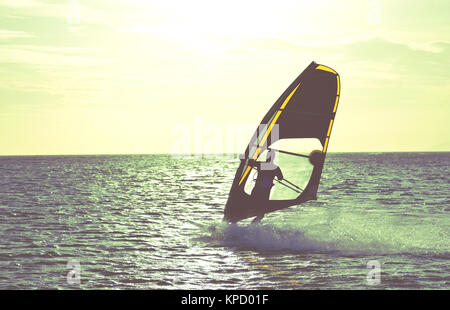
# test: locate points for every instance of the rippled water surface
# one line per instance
(155, 222)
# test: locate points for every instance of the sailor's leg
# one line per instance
(258, 219)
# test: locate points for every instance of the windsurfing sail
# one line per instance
(297, 129)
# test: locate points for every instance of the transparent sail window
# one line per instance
(291, 156)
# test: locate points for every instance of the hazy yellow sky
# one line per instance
(137, 76)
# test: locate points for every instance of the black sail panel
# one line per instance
(308, 113)
(304, 112)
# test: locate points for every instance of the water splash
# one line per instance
(342, 231)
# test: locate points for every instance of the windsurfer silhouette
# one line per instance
(267, 171)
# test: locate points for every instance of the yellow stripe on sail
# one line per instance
(245, 173)
(255, 156)
(338, 84)
(325, 146)
(329, 128)
(289, 97)
(336, 104)
(269, 129)
(258, 150)
(320, 67)
(338, 90)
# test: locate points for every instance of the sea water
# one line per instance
(381, 221)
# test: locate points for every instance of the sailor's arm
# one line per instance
(279, 174)
(254, 163)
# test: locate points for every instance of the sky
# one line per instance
(137, 76)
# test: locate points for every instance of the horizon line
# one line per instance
(201, 154)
